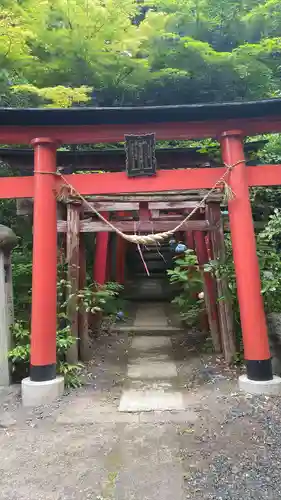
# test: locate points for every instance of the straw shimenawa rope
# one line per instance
(148, 239)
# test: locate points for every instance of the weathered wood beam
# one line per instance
(85, 344)
(157, 215)
(119, 206)
(167, 196)
(132, 226)
(25, 205)
(173, 205)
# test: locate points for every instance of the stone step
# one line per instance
(135, 294)
(156, 276)
(155, 255)
(151, 400)
(148, 330)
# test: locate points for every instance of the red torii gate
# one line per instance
(47, 129)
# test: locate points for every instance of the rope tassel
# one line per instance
(228, 193)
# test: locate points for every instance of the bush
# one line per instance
(268, 244)
(100, 298)
(186, 274)
(19, 355)
(95, 299)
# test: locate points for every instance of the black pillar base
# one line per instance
(43, 373)
(259, 370)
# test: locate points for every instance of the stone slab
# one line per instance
(266, 387)
(41, 393)
(94, 417)
(150, 400)
(145, 343)
(150, 315)
(166, 417)
(148, 330)
(146, 369)
(147, 385)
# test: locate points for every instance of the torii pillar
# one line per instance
(43, 386)
(259, 378)
(100, 258)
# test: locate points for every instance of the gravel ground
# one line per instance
(225, 446)
(233, 450)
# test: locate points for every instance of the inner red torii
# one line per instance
(47, 129)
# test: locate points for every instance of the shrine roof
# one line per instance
(138, 115)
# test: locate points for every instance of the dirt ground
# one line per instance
(225, 445)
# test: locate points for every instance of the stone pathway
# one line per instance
(225, 445)
(152, 371)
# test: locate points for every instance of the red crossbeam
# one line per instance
(163, 131)
(165, 180)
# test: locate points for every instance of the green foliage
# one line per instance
(95, 299)
(225, 271)
(268, 245)
(271, 152)
(19, 355)
(268, 249)
(107, 52)
(187, 276)
(58, 96)
(71, 373)
(100, 298)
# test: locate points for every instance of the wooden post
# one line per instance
(213, 214)
(4, 328)
(7, 241)
(209, 246)
(72, 256)
(209, 289)
(253, 321)
(85, 344)
(44, 267)
(9, 292)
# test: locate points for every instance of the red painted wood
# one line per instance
(252, 314)
(44, 270)
(115, 133)
(108, 261)
(165, 180)
(16, 187)
(120, 260)
(189, 238)
(100, 258)
(168, 180)
(210, 288)
(144, 212)
(264, 175)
